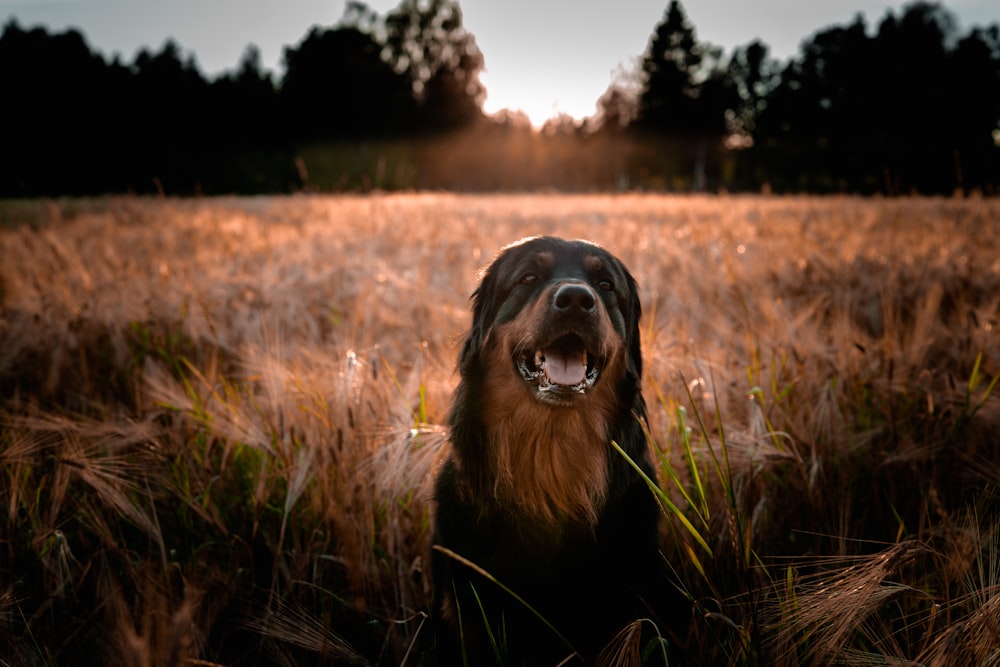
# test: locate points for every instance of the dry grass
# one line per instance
(220, 420)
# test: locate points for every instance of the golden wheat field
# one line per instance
(220, 419)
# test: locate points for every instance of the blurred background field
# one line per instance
(220, 418)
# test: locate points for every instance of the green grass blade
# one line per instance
(497, 649)
(689, 458)
(658, 492)
(476, 568)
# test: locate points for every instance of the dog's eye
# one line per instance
(605, 285)
(529, 279)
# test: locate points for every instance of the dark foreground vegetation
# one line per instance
(219, 421)
(910, 104)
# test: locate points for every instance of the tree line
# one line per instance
(912, 106)
(395, 101)
(79, 124)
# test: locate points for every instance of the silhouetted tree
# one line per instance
(912, 105)
(908, 77)
(974, 88)
(668, 102)
(898, 111)
(813, 110)
(52, 87)
(249, 148)
(426, 41)
(361, 17)
(244, 105)
(249, 80)
(165, 121)
(337, 85)
(753, 75)
(684, 98)
(616, 109)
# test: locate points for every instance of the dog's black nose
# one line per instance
(573, 298)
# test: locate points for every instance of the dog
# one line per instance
(545, 537)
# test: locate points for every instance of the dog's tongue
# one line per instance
(567, 370)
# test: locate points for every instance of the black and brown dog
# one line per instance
(545, 536)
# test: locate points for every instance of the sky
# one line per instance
(542, 57)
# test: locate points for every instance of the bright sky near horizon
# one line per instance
(542, 57)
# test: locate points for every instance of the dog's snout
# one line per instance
(574, 298)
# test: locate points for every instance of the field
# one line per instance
(220, 419)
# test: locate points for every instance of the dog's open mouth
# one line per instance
(563, 366)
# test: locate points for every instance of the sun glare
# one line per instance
(535, 114)
(538, 105)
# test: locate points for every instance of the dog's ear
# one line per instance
(632, 317)
(482, 318)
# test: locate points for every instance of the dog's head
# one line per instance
(565, 315)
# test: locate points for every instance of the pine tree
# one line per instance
(427, 42)
(668, 103)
